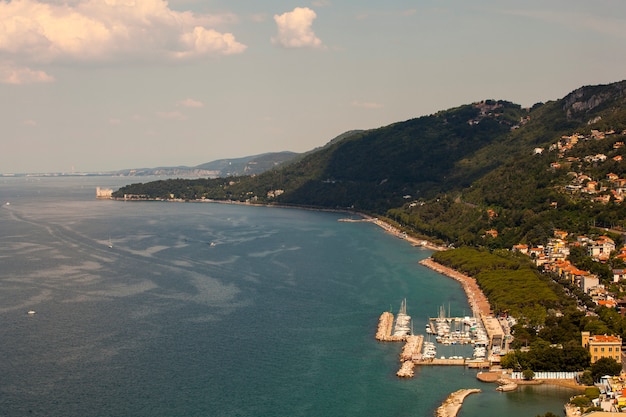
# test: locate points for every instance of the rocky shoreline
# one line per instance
(478, 301)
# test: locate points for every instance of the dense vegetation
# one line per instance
(371, 170)
(547, 334)
(509, 281)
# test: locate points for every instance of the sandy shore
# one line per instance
(566, 383)
(495, 376)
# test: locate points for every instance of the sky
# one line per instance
(103, 85)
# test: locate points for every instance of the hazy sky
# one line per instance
(97, 85)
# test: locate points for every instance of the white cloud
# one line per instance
(366, 104)
(294, 29)
(12, 74)
(36, 33)
(189, 102)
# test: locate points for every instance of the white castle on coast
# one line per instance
(104, 192)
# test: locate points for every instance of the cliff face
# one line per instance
(585, 99)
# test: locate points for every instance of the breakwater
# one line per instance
(410, 353)
(385, 329)
(411, 349)
(452, 404)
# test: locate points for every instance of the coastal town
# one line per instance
(552, 258)
(490, 336)
(602, 190)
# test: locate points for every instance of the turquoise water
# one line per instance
(205, 309)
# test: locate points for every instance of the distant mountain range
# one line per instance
(247, 165)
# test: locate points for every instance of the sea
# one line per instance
(209, 309)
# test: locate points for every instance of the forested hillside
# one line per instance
(459, 173)
(567, 175)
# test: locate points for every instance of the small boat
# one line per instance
(510, 386)
(31, 312)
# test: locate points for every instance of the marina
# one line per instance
(484, 334)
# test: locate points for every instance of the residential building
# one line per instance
(603, 346)
(619, 275)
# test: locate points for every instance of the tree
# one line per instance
(528, 374)
(605, 366)
(509, 361)
(586, 378)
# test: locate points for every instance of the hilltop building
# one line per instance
(603, 346)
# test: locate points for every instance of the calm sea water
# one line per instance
(204, 309)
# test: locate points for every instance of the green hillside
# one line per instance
(453, 175)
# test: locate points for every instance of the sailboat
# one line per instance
(403, 322)
(110, 243)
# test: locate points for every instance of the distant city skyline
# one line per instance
(103, 85)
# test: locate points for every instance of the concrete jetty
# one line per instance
(452, 404)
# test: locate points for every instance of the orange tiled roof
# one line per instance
(606, 339)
